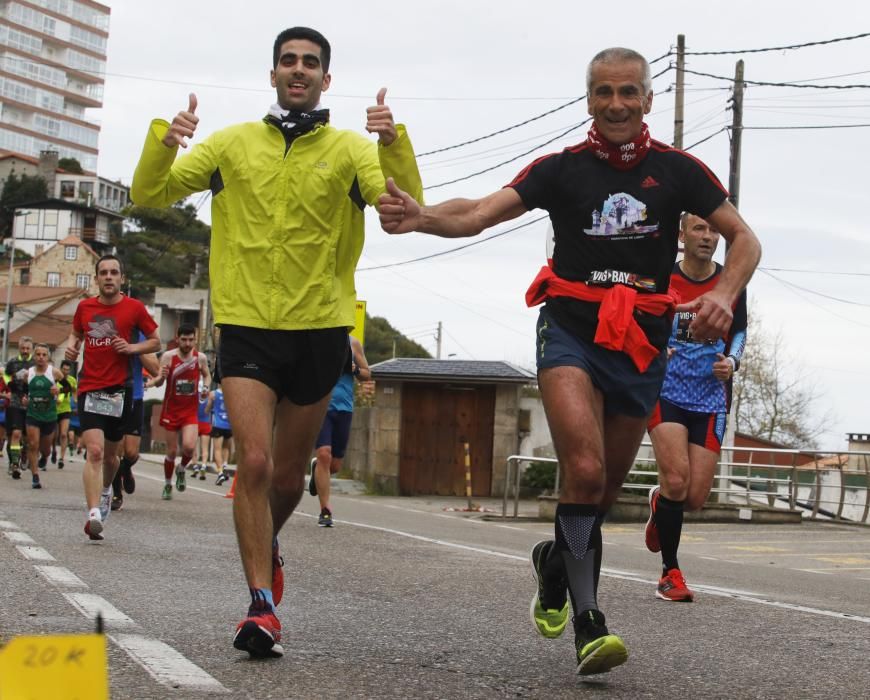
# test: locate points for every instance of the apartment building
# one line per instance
(52, 62)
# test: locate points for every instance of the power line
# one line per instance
(816, 272)
(706, 138)
(510, 160)
(817, 126)
(453, 250)
(763, 83)
(505, 130)
(810, 291)
(791, 47)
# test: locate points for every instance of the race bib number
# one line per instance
(105, 403)
(185, 387)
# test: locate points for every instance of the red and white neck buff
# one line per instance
(623, 157)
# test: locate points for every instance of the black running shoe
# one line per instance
(117, 503)
(53, 456)
(549, 607)
(35, 483)
(128, 482)
(598, 651)
(325, 519)
(41, 463)
(60, 464)
(16, 474)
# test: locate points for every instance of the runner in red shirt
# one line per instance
(106, 323)
(182, 369)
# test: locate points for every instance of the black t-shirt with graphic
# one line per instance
(616, 226)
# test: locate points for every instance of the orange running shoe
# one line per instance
(652, 532)
(672, 586)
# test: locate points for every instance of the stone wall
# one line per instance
(504, 433)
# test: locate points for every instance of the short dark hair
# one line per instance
(186, 329)
(311, 35)
(65, 363)
(108, 256)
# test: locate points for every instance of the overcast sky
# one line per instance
(460, 70)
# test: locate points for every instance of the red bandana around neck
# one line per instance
(623, 157)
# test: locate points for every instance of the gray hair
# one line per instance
(618, 54)
(25, 339)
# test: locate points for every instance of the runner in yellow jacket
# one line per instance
(289, 193)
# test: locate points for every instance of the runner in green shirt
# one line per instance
(41, 403)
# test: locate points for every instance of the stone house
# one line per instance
(413, 440)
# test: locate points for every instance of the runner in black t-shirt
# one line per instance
(614, 202)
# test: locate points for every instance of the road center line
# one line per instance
(746, 596)
(20, 537)
(60, 576)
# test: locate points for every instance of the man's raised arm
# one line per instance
(455, 218)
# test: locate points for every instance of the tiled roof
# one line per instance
(25, 293)
(487, 371)
(51, 330)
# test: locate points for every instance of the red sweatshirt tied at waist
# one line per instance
(617, 327)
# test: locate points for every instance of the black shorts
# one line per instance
(626, 390)
(63, 416)
(302, 366)
(16, 417)
(136, 419)
(335, 432)
(706, 430)
(46, 428)
(113, 428)
(225, 433)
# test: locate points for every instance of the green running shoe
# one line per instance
(598, 651)
(549, 622)
(167, 492)
(180, 483)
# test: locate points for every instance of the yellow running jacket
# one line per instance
(287, 228)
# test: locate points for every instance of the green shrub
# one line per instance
(539, 475)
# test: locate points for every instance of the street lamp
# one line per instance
(9, 283)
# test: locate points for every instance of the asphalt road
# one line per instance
(404, 599)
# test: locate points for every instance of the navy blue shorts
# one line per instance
(335, 432)
(626, 391)
(706, 430)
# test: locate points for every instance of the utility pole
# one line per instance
(438, 339)
(678, 96)
(727, 456)
(736, 135)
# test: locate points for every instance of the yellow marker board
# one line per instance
(359, 331)
(60, 667)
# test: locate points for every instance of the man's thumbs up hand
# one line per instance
(183, 126)
(379, 120)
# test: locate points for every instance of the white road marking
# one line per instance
(8, 525)
(60, 576)
(165, 665)
(746, 596)
(90, 605)
(34, 553)
(21, 537)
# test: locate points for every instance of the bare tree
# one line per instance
(774, 396)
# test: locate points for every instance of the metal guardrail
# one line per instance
(831, 485)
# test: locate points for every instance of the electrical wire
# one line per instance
(454, 249)
(790, 47)
(811, 291)
(765, 83)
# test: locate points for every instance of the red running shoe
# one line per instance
(93, 528)
(652, 532)
(672, 586)
(277, 574)
(259, 633)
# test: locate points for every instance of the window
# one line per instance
(70, 252)
(53, 279)
(86, 190)
(83, 281)
(67, 188)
